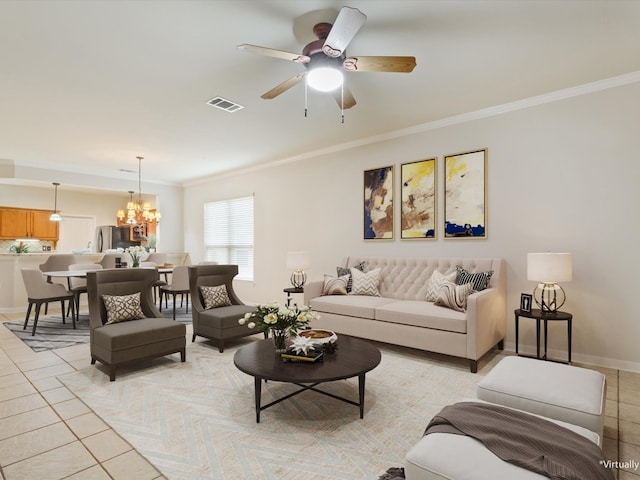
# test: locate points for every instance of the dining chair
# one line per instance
(158, 283)
(179, 286)
(78, 285)
(125, 325)
(40, 292)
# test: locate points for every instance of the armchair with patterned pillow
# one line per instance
(126, 326)
(215, 307)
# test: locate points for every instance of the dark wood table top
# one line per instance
(353, 357)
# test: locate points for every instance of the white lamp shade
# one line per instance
(324, 79)
(549, 267)
(298, 260)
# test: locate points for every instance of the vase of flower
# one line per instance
(279, 321)
(279, 340)
(135, 253)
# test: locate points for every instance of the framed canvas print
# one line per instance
(378, 203)
(418, 199)
(465, 195)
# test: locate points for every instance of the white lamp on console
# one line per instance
(298, 261)
(548, 269)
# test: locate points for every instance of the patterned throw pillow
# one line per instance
(435, 282)
(365, 283)
(215, 296)
(347, 271)
(454, 296)
(480, 280)
(335, 286)
(121, 308)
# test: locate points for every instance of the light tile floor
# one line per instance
(47, 433)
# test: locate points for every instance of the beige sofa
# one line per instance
(402, 316)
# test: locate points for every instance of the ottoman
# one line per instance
(445, 456)
(563, 392)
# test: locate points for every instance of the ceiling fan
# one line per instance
(326, 58)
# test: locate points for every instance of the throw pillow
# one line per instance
(215, 296)
(365, 283)
(480, 280)
(454, 296)
(335, 285)
(121, 308)
(347, 271)
(435, 282)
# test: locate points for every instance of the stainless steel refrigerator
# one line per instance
(111, 237)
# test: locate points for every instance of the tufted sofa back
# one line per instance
(405, 278)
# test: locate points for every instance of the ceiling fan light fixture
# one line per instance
(324, 79)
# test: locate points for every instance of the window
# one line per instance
(228, 234)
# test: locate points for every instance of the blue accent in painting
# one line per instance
(455, 230)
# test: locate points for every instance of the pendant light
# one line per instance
(55, 216)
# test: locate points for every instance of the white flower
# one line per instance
(303, 318)
(271, 318)
(242, 321)
(251, 325)
(248, 315)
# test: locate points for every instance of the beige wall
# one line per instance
(562, 177)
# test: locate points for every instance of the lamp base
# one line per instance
(298, 278)
(550, 297)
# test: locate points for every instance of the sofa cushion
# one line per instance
(480, 280)
(136, 333)
(422, 314)
(454, 296)
(215, 296)
(436, 281)
(122, 308)
(365, 283)
(335, 285)
(350, 305)
(341, 271)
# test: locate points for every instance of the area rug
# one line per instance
(51, 333)
(196, 420)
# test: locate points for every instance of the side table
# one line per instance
(539, 317)
(291, 290)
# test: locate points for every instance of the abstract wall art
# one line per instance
(465, 195)
(418, 203)
(378, 203)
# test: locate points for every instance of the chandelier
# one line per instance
(138, 211)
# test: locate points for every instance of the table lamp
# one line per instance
(548, 269)
(298, 261)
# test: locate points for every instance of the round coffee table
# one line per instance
(354, 358)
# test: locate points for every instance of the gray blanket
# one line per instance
(525, 440)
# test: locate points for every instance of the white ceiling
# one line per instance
(87, 86)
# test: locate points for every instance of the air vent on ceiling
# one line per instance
(224, 104)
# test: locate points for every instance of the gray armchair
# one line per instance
(114, 344)
(219, 323)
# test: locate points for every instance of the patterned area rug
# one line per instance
(51, 333)
(196, 420)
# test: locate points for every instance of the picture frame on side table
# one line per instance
(418, 199)
(465, 195)
(378, 203)
(526, 299)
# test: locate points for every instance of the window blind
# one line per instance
(228, 234)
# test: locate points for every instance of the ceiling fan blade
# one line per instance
(344, 29)
(349, 101)
(271, 52)
(284, 86)
(380, 64)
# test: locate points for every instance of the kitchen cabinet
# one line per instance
(27, 223)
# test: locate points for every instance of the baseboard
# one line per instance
(614, 363)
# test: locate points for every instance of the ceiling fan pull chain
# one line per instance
(342, 102)
(305, 99)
